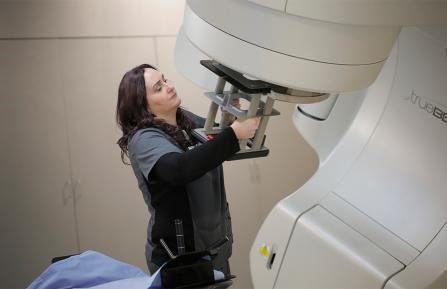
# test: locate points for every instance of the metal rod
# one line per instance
(259, 136)
(212, 112)
(167, 248)
(252, 110)
(228, 101)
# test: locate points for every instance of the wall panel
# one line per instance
(89, 18)
(36, 203)
(111, 211)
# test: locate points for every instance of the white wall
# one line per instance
(60, 63)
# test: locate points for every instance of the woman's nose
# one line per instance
(169, 85)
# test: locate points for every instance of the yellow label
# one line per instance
(264, 251)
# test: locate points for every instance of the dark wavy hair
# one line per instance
(132, 113)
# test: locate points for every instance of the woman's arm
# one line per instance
(180, 168)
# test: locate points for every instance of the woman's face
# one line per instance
(161, 96)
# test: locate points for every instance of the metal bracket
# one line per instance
(250, 90)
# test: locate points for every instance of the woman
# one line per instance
(179, 179)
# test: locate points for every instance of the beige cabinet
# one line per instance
(36, 202)
(63, 187)
(111, 213)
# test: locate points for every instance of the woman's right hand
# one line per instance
(245, 129)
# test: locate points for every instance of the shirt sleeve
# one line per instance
(147, 146)
(180, 168)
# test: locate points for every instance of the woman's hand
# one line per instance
(245, 129)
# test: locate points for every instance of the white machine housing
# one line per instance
(374, 214)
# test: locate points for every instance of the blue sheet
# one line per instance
(94, 270)
(97, 271)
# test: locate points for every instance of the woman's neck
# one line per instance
(170, 118)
